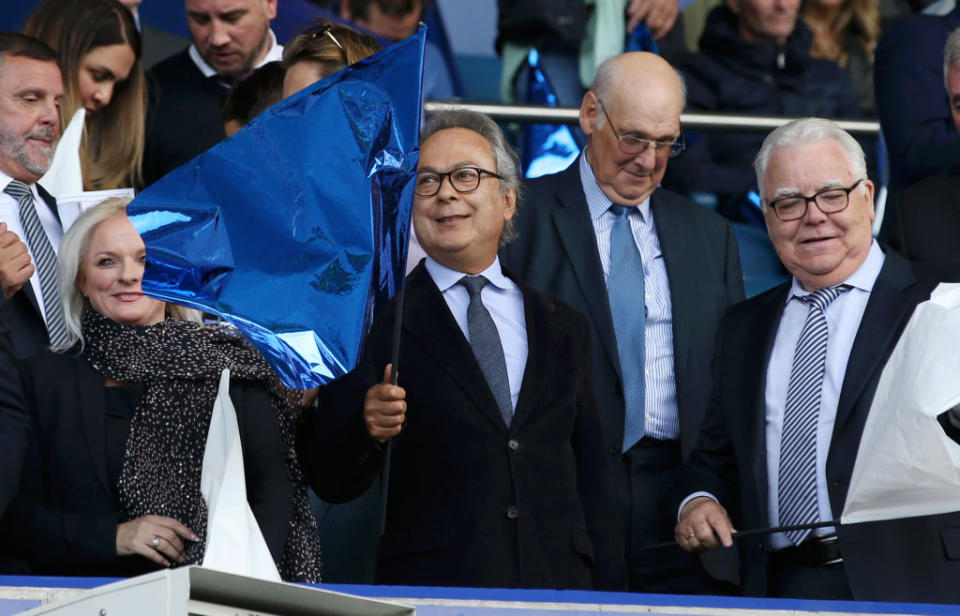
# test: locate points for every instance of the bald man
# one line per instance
(653, 272)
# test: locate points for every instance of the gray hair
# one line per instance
(951, 55)
(802, 132)
(73, 249)
(507, 161)
(607, 77)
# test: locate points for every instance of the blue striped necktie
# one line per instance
(45, 260)
(487, 347)
(798, 444)
(625, 290)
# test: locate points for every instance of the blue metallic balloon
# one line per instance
(295, 229)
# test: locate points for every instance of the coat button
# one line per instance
(512, 512)
(513, 444)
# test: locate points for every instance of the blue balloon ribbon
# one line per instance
(295, 229)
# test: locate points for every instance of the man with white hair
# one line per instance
(924, 218)
(796, 371)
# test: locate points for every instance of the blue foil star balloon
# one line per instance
(295, 229)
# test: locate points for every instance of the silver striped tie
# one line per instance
(45, 260)
(798, 445)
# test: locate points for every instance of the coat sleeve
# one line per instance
(270, 490)
(338, 456)
(712, 465)
(13, 416)
(46, 537)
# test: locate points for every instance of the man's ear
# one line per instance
(589, 110)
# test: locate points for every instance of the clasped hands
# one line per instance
(15, 265)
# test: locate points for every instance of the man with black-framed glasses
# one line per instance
(653, 272)
(497, 473)
(796, 371)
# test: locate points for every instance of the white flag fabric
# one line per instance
(906, 465)
(64, 176)
(234, 541)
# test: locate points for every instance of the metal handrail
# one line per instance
(690, 121)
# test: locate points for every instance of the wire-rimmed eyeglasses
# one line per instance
(463, 180)
(829, 200)
(632, 145)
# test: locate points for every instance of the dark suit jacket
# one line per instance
(911, 99)
(730, 458)
(13, 415)
(25, 320)
(64, 521)
(556, 252)
(925, 222)
(472, 502)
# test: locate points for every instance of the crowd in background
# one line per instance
(564, 414)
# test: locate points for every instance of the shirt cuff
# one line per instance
(693, 496)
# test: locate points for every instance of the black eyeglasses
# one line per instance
(463, 180)
(638, 145)
(830, 201)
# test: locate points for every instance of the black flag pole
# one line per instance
(743, 534)
(395, 361)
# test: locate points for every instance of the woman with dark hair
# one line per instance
(323, 50)
(98, 46)
(119, 422)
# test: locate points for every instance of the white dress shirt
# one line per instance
(503, 300)
(843, 320)
(10, 214)
(662, 419)
(274, 54)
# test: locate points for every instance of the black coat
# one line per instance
(472, 502)
(901, 560)
(13, 415)
(64, 520)
(924, 222)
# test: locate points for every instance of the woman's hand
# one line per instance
(155, 537)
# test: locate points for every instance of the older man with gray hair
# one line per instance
(925, 219)
(796, 370)
(653, 272)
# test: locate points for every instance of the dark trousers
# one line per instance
(654, 468)
(789, 579)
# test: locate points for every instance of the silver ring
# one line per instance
(155, 543)
(691, 535)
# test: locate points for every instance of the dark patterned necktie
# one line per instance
(487, 346)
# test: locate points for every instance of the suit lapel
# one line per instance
(427, 319)
(681, 270)
(543, 342)
(759, 339)
(575, 229)
(51, 202)
(92, 404)
(882, 321)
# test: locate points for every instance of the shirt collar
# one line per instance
(444, 277)
(273, 54)
(597, 201)
(862, 279)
